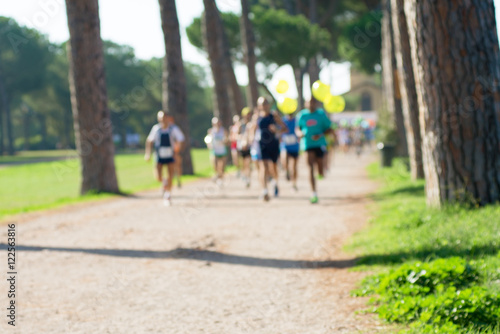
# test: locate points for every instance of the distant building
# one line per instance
(365, 93)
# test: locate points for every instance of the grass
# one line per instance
(34, 156)
(405, 232)
(44, 185)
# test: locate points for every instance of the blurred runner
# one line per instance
(266, 133)
(244, 143)
(290, 144)
(177, 149)
(234, 132)
(216, 140)
(312, 125)
(165, 142)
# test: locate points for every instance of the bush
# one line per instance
(436, 297)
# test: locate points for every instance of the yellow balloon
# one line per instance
(334, 104)
(320, 90)
(287, 105)
(282, 87)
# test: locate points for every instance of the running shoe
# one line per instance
(295, 188)
(276, 191)
(320, 177)
(167, 200)
(314, 200)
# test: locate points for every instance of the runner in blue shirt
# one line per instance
(312, 125)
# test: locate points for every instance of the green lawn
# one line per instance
(425, 257)
(37, 186)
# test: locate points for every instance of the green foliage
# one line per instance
(440, 268)
(36, 75)
(231, 23)
(441, 293)
(287, 39)
(361, 42)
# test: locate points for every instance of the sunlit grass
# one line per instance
(30, 187)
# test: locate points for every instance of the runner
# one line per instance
(177, 150)
(244, 143)
(266, 133)
(216, 141)
(234, 132)
(291, 147)
(165, 141)
(312, 125)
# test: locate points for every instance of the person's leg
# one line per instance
(311, 160)
(236, 160)
(167, 183)
(287, 166)
(246, 170)
(320, 163)
(263, 173)
(157, 172)
(295, 165)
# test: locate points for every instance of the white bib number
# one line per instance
(165, 152)
(289, 139)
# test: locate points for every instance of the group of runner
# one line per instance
(260, 136)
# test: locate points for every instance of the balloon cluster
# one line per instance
(331, 103)
(287, 105)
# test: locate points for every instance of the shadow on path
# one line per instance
(198, 255)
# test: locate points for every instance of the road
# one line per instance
(217, 261)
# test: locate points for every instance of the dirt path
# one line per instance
(218, 261)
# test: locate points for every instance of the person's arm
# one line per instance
(298, 129)
(282, 126)
(149, 143)
(180, 139)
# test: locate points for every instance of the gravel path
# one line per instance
(218, 261)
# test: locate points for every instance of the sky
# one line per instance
(138, 24)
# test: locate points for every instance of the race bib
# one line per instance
(290, 139)
(165, 152)
(219, 147)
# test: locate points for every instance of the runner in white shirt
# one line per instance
(216, 140)
(166, 140)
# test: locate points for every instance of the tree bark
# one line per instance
(299, 82)
(313, 69)
(248, 40)
(409, 100)
(390, 74)
(93, 130)
(214, 46)
(174, 78)
(456, 58)
(8, 121)
(1, 130)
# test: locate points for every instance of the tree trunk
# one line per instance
(43, 130)
(392, 95)
(299, 82)
(409, 100)
(248, 41)
(67, 129)
(8, 121)
(174, 78)
(1, 129)
(93, 130)
(313, 69)
(26, 131)
(456, 58)
(214, 46)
